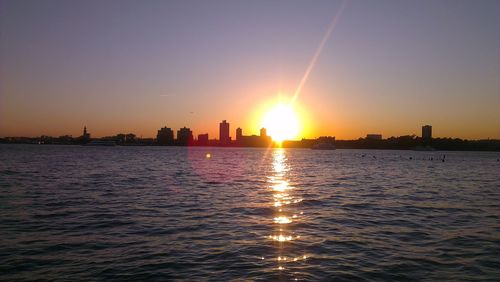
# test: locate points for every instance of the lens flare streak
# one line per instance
(314, 59)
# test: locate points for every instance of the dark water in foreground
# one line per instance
(157, 213)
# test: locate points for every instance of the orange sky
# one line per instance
(388, 67)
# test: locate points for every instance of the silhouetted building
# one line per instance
(85, 135)
(323, 141)
(374, 136)
(239, 134)
(326, 139)
(165, 136)
(224, 138)
(184, 136)
(202, 139)
(304, 143)
(84, 139)
(263, 132)
(426, 132)
(253, 140)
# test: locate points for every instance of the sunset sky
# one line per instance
(387, 67)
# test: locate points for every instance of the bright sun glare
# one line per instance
(281, 123)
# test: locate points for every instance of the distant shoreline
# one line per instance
(341, 147)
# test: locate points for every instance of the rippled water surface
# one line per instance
(164, 213)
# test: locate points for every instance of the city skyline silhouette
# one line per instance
(186, 137)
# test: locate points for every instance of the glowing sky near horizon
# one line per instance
(387, 67)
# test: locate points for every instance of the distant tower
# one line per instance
(239, 133)
(263, 132)
(426, 132)
(224, 138)
(86, 135)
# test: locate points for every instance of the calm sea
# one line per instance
(167, 213)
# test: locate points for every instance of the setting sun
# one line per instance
(281, 122)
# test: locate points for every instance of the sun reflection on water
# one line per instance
(286, 213)
(282, 220)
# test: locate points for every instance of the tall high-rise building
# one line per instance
(184, 136)
(263, 132)
(426, 132)
(165, 136)
(224, 138)
(239, 133)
